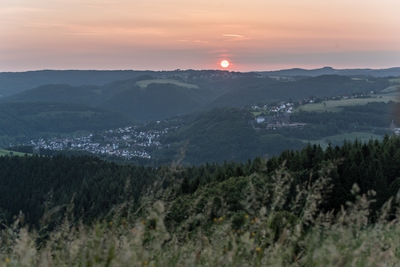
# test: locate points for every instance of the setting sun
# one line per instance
(224, 63)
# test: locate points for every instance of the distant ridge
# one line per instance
(329, 71)
(15, 82)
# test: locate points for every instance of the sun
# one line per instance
(224, 63)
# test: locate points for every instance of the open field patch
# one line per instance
(145, 83)
(257, 113)
(4, 152)
(396, 80)
(336, 105)
(391, 89)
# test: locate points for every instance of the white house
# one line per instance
(260, 119)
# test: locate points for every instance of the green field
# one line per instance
(391, 89)
(396, 80)
(336, 105)
(257, 113)
(4, 152)
(145, 83)
(360, 136)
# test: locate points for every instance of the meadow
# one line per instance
(256, 113)
(337, 105)
(390, 89)
(4, 152)
(143, 84)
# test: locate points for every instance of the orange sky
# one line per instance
(159, 34)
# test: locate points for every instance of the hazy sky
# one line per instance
(172, 34)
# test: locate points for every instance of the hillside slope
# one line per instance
(224, 134)
(87, 95)
(15, 82)
(24, 120)
(329, 71)
(325, 85)
(155, 102)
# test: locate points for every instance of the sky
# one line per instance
(184, 34)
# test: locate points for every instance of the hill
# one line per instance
(155, 102)
(223, 134)
(330, 71)
(88, 95)
(324, 85)
(15, 82)
(145, 83)
(24, 120)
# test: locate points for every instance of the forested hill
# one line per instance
(154, 102)
(34, 184)
(16, 82)
(330, 71)
(25, 120)
(223, 134)
(228, 133)
(321, 86)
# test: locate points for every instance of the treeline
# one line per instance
(224, 189)
(372, 166)
(34, 185)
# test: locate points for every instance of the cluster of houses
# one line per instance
(288, 107)
(275, 122)
(280, 108)
(394, 128)
(123, 142)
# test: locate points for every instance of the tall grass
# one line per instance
(270, 231)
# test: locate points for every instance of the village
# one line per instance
(272, 117)
(126, 142)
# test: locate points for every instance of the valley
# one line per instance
(211, 115)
